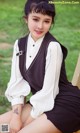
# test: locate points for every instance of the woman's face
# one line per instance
(38, 24)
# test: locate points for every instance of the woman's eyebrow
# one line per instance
(39, 18)
(35, 17)
(47, 19)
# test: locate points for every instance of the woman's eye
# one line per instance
(47, 22)
(35, 19)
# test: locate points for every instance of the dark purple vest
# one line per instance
(35, 73)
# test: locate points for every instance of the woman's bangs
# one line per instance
(41, 8)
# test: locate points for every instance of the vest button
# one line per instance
(30, 56)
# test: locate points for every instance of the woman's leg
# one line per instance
(40, 125)
(6, 117)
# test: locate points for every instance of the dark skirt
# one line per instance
(66, 112)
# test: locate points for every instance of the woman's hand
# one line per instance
(29, 120)
(15, 124)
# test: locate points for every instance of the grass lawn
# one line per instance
(66, 29)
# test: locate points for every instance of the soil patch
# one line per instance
(4, 46)
(3, 35)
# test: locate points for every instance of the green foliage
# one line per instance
(4, 105)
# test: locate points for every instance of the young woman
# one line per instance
(38, 66)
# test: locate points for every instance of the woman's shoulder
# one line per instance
(54, 46)
(54, 43)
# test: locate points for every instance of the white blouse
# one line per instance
(18, 88)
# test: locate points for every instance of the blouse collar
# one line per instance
(31, 40)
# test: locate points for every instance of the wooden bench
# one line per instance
(76, 77)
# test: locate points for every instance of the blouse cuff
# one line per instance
(35, 113)
(17, 100)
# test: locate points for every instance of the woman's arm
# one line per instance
(17, 88)
(16, 122)
(43, 100)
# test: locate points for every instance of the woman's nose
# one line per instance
(40, 25)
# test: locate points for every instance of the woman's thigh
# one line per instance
(40, 125)
(6, 117)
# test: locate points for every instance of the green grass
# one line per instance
(11, 19)
(66, 30)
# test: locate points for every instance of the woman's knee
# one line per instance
(6, 117)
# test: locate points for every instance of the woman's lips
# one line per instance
(38, 32)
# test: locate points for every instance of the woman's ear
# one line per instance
(25, 19)
(51, 27)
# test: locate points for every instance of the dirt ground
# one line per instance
(4, 46)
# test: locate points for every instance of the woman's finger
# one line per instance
(12, 131)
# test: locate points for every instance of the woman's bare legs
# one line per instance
(39, 125)
(6, 117)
